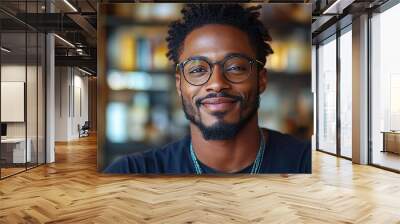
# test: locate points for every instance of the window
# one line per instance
(327, 95)
(346, 92)
(385, 89)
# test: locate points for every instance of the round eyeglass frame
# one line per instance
(221, 63)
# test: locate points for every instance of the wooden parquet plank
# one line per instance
(71, 191)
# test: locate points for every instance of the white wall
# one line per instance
(16, 73)
(62, 81)
(80, 110)
(71, 93)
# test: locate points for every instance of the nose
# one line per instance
(217, 81)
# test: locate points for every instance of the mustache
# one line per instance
(221, 94)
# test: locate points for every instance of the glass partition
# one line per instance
(22, 87)
(31, 99)
(14, 152)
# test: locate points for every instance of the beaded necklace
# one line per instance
(256, 165)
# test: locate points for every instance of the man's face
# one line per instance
(219, 108)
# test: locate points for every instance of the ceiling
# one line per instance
(72, 20)
(76, 22)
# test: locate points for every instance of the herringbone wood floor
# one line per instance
(71, 191)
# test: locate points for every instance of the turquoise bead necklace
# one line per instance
(256, 165)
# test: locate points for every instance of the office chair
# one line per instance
(84, 130)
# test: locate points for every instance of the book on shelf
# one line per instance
(145, 53)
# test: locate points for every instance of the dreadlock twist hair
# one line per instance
(197, 15)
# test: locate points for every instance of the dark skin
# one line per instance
(215, 42)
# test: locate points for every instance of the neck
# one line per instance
(228, 155)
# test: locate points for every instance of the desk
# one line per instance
(15, 148)
(391, 141)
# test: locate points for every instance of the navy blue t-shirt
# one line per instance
(283, 154)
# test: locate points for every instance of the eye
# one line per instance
(235, 68)
(197, 70)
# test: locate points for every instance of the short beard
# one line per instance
(221, 130)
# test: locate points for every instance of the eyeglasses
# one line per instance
(236, 68)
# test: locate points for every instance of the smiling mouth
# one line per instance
(219, 104)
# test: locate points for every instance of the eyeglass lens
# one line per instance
(198, 71)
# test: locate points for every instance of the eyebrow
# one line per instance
(226, 56)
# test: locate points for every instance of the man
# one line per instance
(220, 52)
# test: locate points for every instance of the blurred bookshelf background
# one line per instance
(143, 109)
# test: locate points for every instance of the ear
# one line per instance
(178, 82)
(263, 80)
